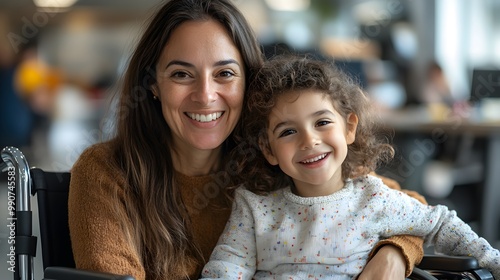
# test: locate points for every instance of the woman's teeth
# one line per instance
(314, 159)
(204, 118)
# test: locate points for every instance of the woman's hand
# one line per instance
(388, 263)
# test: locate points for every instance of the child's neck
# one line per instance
(311, 190)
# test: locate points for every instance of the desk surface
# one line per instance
(419, 119)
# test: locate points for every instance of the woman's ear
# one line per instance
(351, 125)
(266, 151)
(155, 91)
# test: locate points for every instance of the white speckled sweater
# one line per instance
(285, 236)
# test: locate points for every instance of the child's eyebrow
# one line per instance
(315, 114)
(279, 125)
(322, 112)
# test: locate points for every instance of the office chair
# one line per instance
(51, 189)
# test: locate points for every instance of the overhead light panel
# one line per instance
(289, 5)
(54, 3)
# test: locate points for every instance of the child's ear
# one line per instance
(266, 151)
(351, 125)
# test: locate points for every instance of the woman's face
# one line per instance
(201, 82)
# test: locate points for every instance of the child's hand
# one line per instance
(389, 263)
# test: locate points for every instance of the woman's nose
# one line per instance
(309, 140)
(205, 92)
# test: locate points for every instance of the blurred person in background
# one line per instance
(37, 82)
(22, 77)
(436, 89)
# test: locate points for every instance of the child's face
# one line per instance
(308, 139)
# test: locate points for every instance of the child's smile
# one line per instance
(315, 161)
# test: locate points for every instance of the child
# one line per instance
(314, 212)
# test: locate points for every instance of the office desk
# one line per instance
(418, 120)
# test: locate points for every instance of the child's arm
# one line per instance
(452, 236)
(411, 246)
(440, 226)
(234, 256)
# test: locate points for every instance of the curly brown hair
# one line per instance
(292, 73)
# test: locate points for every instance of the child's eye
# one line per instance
(323, 122)
(286, 132)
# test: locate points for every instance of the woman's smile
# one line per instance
(204, 117)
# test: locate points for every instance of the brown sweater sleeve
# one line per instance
(412, 247)
(98, 240)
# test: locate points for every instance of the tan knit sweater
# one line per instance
(97, 238)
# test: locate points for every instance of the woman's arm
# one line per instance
(98, 238)
(394, 258)
(389, 255)
(388, 263)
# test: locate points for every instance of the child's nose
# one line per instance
(309, 140)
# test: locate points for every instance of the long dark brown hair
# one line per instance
(143, 139)
(293, 73)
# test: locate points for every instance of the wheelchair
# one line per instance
(51, 189)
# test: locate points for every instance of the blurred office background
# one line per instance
(60, 67)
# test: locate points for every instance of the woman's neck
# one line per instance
(196, 162)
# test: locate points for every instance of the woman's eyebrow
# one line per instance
(226, 62)
(179, 62)
(187, 64)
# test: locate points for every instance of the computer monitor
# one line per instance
(485, 84)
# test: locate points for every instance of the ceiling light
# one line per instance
(54, 3)
(289, 5)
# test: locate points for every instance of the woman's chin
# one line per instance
(207, 142)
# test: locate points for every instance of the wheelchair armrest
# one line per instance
(66, 273)
(448, 263)
(420, 274)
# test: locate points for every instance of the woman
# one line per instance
(151, 201)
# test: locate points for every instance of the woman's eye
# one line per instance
(226, 73)
(286, 132)
(180, 74)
